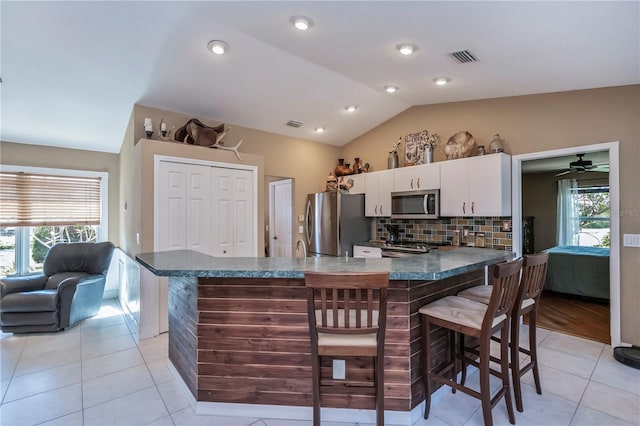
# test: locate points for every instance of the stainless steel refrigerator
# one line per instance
(334, 221)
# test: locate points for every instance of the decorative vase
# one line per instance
(392, 161)
(357, 166)
(332, 182)
(341, 169)
(347, 169)
(428, 153)
(497, 144)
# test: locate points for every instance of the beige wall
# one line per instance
(278, 156)
(73, 159)
(539, 123)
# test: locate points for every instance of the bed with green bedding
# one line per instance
(580, 271)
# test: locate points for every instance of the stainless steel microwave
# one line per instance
(423, 204)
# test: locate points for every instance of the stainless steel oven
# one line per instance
(423, 204)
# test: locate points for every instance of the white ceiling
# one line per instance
(72, 71)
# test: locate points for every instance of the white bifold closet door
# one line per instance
(185, 207)
(233, 212)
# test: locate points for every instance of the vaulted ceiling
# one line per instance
(71, 71)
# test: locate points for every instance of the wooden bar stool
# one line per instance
(534, 272)
(474, 319)
(347, 317)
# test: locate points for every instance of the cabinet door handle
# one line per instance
(376, 210)
(411, 183)
(418, 183)
(473, 207)
(380, 208)
(464, 207)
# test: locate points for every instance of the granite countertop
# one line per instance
(432, 266)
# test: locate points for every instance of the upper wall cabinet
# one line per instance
(424, 176)
(476, 186)
(377, 199)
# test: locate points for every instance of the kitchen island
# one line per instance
(238, 329)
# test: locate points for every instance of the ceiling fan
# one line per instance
(580, 166)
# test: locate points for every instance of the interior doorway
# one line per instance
(614, 259)
(279, 232)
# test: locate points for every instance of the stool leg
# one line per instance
(485, 389)
(504, 368)
(463, 366)
(533, 348)
(379, 378)
(315, 372)
(515, 360)
(426, 364)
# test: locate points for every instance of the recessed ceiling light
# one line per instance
(406, 48)
(218, 47)
(351, 108)
(390, 88)
(319, 129)
(301, 22)
(441, 81)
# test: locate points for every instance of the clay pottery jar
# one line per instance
(357, 166)
(347, 169)
(341, 169)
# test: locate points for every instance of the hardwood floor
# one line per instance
(578, 317)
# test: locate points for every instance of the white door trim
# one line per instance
(614, 198)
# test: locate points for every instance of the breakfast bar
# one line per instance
(238, 328)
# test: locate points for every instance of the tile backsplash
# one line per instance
(497, 230)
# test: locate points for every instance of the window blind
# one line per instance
(28, 199)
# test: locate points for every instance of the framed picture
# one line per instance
(414, 148)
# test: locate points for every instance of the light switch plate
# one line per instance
(339, 369)
(631, 240)
(300, 218)
(300, 229)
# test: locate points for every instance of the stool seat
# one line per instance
(482, 294)
(460, 310)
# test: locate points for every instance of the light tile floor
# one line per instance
(98, 374)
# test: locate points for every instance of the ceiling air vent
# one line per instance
(293, 123)
(463, 56)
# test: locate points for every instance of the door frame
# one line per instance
(272, 211)
(614, 200)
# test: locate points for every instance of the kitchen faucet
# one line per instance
(304, 247)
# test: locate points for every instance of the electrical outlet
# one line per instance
(339, 369)
(301, 229)
(631, 240)
(300, 218)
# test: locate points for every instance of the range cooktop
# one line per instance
(411, 246)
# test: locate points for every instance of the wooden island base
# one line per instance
(246, 341)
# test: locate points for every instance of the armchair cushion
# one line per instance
(92, 258)
(17, 284)
(30, 301)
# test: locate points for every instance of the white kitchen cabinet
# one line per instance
(476, 186)
(377, 200)
(424, 176)
(358, 183)
(365, 251)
